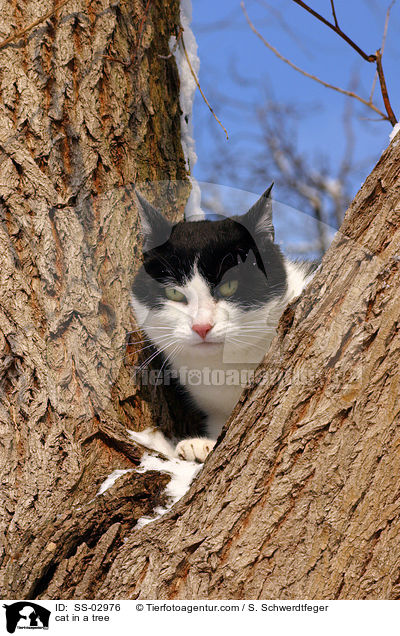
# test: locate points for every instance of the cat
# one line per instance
(209, 297)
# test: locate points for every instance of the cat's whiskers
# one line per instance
(245, 343)
(136, 342)
(156, 353)
(260, 335)
(238, 330)
(162, 367)
(260, 325)
(148, 339)
(153, 327)
(149, 359)
(253, 327)
(137, 351)
(155, 341)
(168, 358)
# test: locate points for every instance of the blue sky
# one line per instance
(228, 48)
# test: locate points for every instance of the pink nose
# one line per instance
(202, 330)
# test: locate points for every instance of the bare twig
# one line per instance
(199, 87)
(284, 24)
(130, 61)
(369, 104)
(31, 26)
(111, 58)
(178, 37)
(140, 31)
(218, 25)
(335, 27)
(371, 95)
(377, 58)
(391, 116)
(334, 14)
(385, 30)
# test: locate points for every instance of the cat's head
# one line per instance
(208, 287)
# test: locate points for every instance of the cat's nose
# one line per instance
(202, 329)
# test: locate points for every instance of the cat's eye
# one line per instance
(228, 288)
(174, 294)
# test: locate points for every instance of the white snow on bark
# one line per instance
(395, 130)
(111, 479)
(153, 439)
(187, 92)
(182, 472)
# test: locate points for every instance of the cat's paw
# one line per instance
(195, 449)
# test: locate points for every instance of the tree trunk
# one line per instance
(301, 497)
(89, 106)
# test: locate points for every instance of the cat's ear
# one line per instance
(156, 229)
(258, 220)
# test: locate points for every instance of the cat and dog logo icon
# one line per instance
(26, 615)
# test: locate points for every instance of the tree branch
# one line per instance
(377, 58)
(335, 27)
(391, 116)
(140, 31)
(199, 87)
(385, 29)
(379, 70)
(306, 74)
(334, 13)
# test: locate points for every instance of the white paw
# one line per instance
(195, 449)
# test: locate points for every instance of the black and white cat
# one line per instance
(209, 297)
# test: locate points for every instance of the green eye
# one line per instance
(173, 294)
(228, 288)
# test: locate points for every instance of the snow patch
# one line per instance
(153, 439)
(187, 81)
(182, 472)
(394, 132)
(193, 211)
(111, 479)
(186, 99)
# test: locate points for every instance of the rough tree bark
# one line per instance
(301, 498)
(89, 106)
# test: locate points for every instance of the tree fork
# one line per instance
(301, 496)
